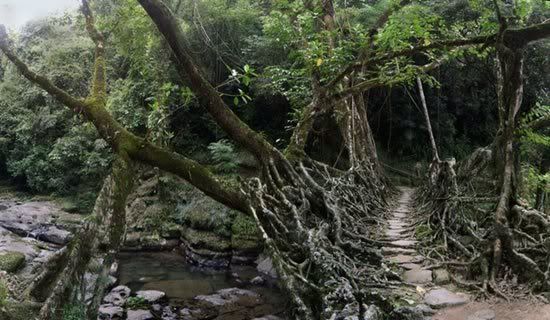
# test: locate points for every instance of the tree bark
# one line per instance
(435, 154)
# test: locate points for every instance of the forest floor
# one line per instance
(433, 286)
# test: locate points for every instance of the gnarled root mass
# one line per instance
(457, 221)
(317, 226)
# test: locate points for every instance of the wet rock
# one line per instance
(257, 281)
(139, 315)
(185, 314)
(265, 266)
(485, 314)
(168, 314)
(53, 234)
(151, 296)
(411, 313)
(442, 298)
(441, 276)
(117, 296)
(207, 258)
(418, 276)
(242, 304)
(109, 312)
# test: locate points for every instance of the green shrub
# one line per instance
(224, 156)
(135, 303)
(74, 312)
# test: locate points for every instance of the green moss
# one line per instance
(422, 231)
(244, 234)
(19, 310)
(11, 261)
(206, 240)
(3, 292)
(244, 226)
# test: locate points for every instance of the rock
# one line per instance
(265, 266)
(418, 276)
(117, 296)
(404, 243)
(411, 266)
(373, 313)
(53, 234)
(185, 314)
(11, 261)
(390, 250)
(151, 296)
(419, 312)
(114, 269)
(441, 276)
(168, 314)
(108, 312)
(485, 314)
(257, 281)
(441, 298)
(139, 315)
(401, 258)
(240, 303)
(268, 317)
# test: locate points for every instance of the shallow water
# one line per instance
(170, 273)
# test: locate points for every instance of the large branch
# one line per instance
(210, 98)
(512, 38)
(121, 139)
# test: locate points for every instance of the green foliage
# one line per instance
(4, 293)
(74, 312)
(136, 303)
(11, 261)
(224, 156)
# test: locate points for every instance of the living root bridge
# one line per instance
(317, 226)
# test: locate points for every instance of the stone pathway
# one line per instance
(400, 249)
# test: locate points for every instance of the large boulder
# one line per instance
(265, 266)
(109, 312)
(117, 296)
(151, 296)
(242, 304)
(139, 315)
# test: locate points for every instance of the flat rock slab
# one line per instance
(140, 315)
(401, 258)
(404, 243)
(418, 276)
(390, 250)
(485, 314)
(442, 298)
(411, 266)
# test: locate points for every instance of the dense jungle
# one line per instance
(275, 159)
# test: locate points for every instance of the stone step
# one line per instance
(418, 276)
(410, 266)
(390, 250)
(405, 258)
(443, 298)
(404, 243)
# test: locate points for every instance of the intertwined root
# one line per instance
(318, 228)
(460, 227)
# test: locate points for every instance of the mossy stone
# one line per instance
(11, 261)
